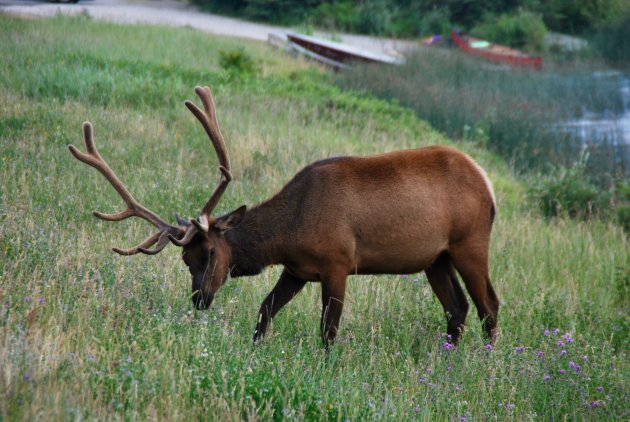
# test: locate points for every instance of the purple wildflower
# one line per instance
(556, 331)
(489, 346)
(540, 354)
(560, 343)
(405, 276)
(27, 377)
(547, 377)
(449, 338)
(458, 388)
(562, 372)
(510, 406)
(447, 345)
(416, 409)
(422, 381)
(462, 419)
(428, 370)
(585, 358)
(41, 300)
(27, 299)
(546, 333)
(600, 388)
(563, 352)
(520, 349)
(574, 366)
(596, 403)
(567, 338)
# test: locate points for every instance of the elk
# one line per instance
(429, 209)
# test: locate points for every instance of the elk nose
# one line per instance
(202, 301)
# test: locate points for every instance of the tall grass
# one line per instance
(516, 113)
(86, 334)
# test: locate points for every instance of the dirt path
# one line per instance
(181, 14)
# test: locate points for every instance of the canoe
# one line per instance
(495, 52)
(336, 54)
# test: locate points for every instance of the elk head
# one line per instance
(204, 248)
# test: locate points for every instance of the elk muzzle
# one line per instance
(202, 300)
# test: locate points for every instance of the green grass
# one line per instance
(87, 334)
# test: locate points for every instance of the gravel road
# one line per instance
(181, 14)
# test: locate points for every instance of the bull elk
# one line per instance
(429, 209)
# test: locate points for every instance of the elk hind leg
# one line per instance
(471, 261)
(445, 285)
(333, 293)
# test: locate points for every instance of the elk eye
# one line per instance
(211, 251)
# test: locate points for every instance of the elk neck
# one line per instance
(258, 240)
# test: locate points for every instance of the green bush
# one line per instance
(612, 42)
(521, 30)
(436, 21)
(238, 61)
(623, 208)
(578, 16)
(342, 15)
(569, 191)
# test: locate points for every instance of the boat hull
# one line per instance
(497, 53)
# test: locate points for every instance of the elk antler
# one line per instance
(208, 120)
(166, 231)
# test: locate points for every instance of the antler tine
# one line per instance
(190, 233)
(208, 120)
(94, 159)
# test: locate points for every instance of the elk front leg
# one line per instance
(333, 292)
(285, 289)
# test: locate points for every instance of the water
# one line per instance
(605, 134)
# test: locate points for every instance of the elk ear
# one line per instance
(181, 221)
(231, 220)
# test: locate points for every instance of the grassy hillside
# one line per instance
(87, 334)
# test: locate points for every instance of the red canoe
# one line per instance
(495, 52)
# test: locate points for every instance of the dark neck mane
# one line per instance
(255, 241)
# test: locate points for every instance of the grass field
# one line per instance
(87, 334)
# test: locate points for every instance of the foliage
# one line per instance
(611, 41)
(524, 30)
(623, 210)
(87, 334)
(407, 18)
(578, 16)
(237, 61)
(568, 191)
(340, 15)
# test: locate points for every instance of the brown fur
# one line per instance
(403, 212)
(428, 209)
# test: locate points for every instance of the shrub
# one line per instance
(436, 21)
(521, 30)
(238, 61)
(612, 42)
(375, 17)
(342, 15)
(623, 208)
(568, 191)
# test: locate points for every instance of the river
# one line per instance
(606, 131)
